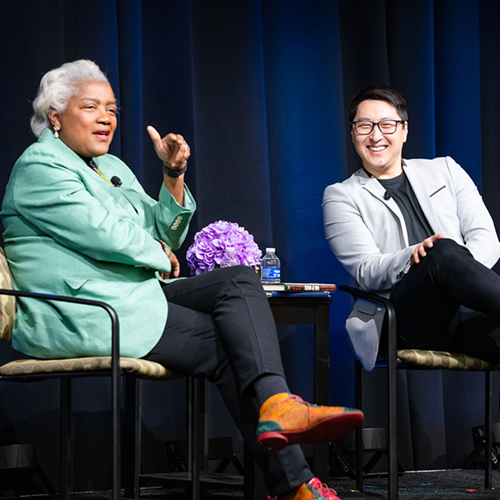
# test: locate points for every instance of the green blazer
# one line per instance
(69, 232)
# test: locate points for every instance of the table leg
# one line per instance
(321, 382)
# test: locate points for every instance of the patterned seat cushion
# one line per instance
(7, 302)
(141, 368)
(445, 360)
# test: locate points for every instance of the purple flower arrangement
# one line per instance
(210, 245)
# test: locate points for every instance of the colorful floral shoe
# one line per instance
(313, 490)
(286, 419)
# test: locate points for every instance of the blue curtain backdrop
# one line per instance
(260, 89)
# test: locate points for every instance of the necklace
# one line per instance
(97, 171)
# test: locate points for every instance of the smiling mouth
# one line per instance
(377, 148)
(102, 135)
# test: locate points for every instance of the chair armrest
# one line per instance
(372, 296)
(115, 327)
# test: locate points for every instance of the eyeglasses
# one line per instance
(387, 127)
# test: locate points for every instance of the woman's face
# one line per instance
(89, 121)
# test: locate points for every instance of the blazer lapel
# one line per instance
(423, 189)
(372, 185)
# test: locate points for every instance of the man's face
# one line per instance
(380, 153)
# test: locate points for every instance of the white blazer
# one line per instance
(368, 234)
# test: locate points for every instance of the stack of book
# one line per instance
(276, 289)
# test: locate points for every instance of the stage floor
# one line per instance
(423, 485)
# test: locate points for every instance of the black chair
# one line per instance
(394, 359)
(116, 367)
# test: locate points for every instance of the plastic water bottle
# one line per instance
(270, 267)
(230, 258)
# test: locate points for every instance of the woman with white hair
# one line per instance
(77, 222)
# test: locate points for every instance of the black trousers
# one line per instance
(220, 327)
(450, 301)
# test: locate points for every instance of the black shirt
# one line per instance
(416, 223)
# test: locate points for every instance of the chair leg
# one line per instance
(65, 439)
(195, 393)
(116, 444)
(392, 430)
(488, 430)
(131, 437)
(138, 438)
(45, 480)
(249, 475)
(358, 377)
(254, 487)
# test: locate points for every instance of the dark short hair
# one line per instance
(379, 93)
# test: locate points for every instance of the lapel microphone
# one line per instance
(387, 196)
(116, 181)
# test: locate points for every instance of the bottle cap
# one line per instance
(273, 250)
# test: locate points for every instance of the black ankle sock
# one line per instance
(268, 385)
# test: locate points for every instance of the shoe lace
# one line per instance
(301, 401)
(324, 490)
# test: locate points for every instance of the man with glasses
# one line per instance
(416, 230)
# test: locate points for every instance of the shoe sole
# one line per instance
(326, 431)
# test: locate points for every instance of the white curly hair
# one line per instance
(58, 86)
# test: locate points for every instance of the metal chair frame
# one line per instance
(132, 421)
(390, 334)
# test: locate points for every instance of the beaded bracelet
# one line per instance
(164, 247)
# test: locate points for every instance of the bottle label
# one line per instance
(270, 274)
